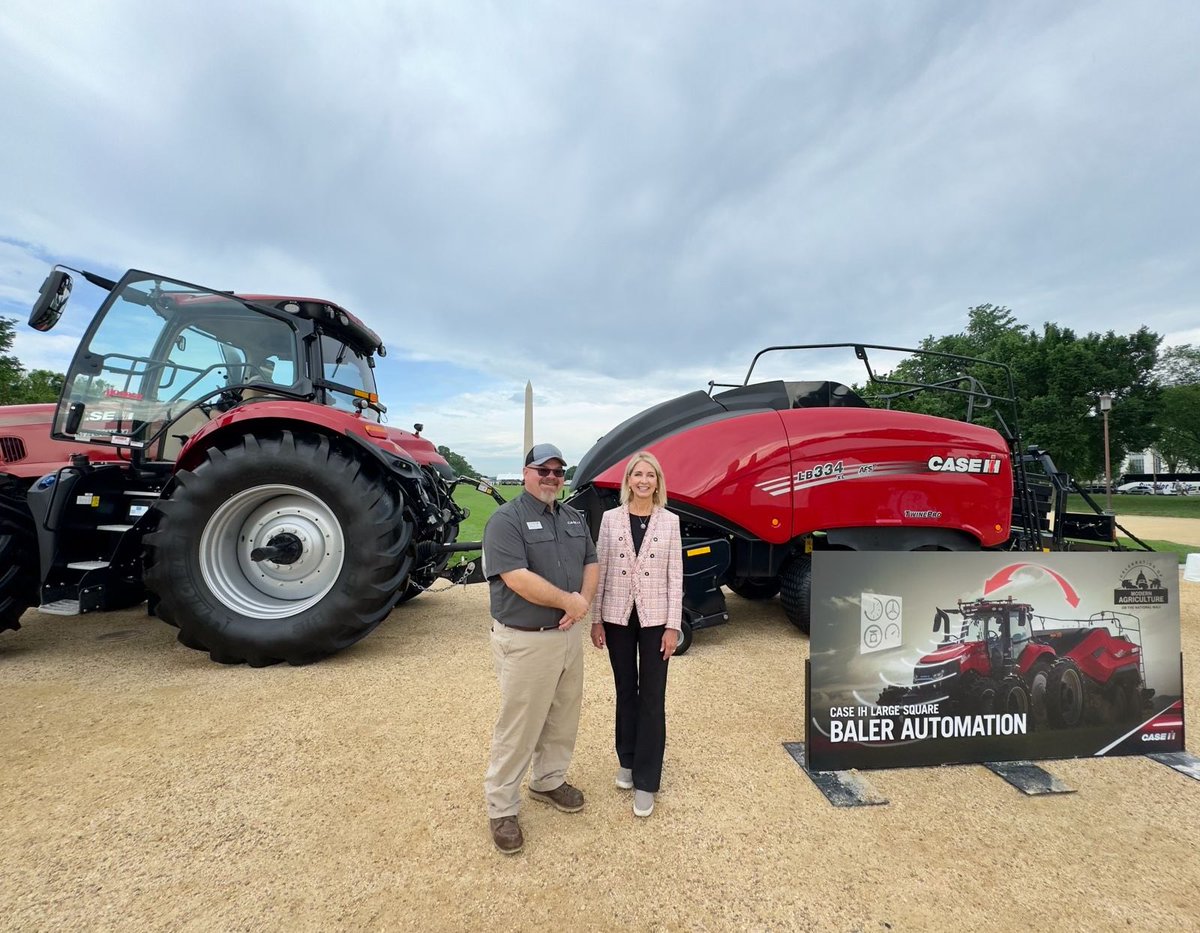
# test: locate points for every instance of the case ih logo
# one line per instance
(1140, 586)
(964, 464)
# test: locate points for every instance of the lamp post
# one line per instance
(1105, 406)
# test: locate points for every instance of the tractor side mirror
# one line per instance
(51, 300)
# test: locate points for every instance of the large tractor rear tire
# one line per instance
(346, 558)
(1066, 695)
(18, 556)
(795, 591)
(750, 588)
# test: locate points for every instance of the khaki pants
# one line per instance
(541, 688)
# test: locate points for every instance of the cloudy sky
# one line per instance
(618, 201)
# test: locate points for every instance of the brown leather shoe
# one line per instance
(506, 834)
(565, 797)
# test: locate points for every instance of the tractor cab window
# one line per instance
(346, 370)
(161, 350)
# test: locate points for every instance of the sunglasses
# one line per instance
(549, 471)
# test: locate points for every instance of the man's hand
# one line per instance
(574, 607)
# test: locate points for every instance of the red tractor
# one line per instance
(224, 457)
(1002, 658)
(763, 474)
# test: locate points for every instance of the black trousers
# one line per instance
(640, 674)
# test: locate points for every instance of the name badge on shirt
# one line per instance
(534, 526)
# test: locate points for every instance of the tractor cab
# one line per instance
(162, 357)
(991, 636)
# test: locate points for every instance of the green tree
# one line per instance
(18, 387)
(39, 385)
(570, 474)
(457, 462)
(1179, 420)
(10, 367)
(1058, 377)
(1179, 366)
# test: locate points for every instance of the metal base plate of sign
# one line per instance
(841, 788)
(1029, 778)
(1183, 762)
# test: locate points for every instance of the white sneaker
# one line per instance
(643, 803)
(625, 778)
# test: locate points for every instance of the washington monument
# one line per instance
(528, 420)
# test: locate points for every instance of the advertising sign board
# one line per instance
(926, 658)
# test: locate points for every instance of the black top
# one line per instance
(637, 529)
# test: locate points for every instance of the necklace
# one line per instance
(642, 519)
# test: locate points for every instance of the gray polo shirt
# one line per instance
(552, 542)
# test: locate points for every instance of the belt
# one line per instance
(522, 628)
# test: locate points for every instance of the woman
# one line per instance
(636, 613)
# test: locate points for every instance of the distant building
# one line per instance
(509, 479)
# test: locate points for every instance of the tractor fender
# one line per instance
(394, 459)
(298, 415)
(397, 464)
(901, 539)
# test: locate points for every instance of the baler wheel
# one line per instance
(1134, 703)
(18, 557)
(685, 637)
(339, 539)
(795, 591)
(1066, 695)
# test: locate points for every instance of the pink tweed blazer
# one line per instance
(652, 579)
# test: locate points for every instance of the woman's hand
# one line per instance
(598, 634)
(669, 640)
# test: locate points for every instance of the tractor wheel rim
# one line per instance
(250, 519)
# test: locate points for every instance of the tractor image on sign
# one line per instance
(223, 457)
(765, 473)
(1000, 657)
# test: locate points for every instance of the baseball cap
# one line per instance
(540, 453)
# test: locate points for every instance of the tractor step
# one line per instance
(88, 565)
(121, 528)
(151, 494)
(61, 607)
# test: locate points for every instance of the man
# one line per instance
(540, 564)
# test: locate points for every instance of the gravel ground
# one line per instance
(144, 787)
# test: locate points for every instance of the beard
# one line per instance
(546, 495)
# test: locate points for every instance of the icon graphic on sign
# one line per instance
(881, 625)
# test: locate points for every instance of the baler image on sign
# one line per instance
(999, 656)
(764, 474)
(228, 461)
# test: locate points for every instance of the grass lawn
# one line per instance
(482, 506)
(1165, 547)
(1160, 506)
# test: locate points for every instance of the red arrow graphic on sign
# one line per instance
(1004, 576)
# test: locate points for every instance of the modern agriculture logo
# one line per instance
(1140, 586)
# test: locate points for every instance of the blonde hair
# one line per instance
(659, 498)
